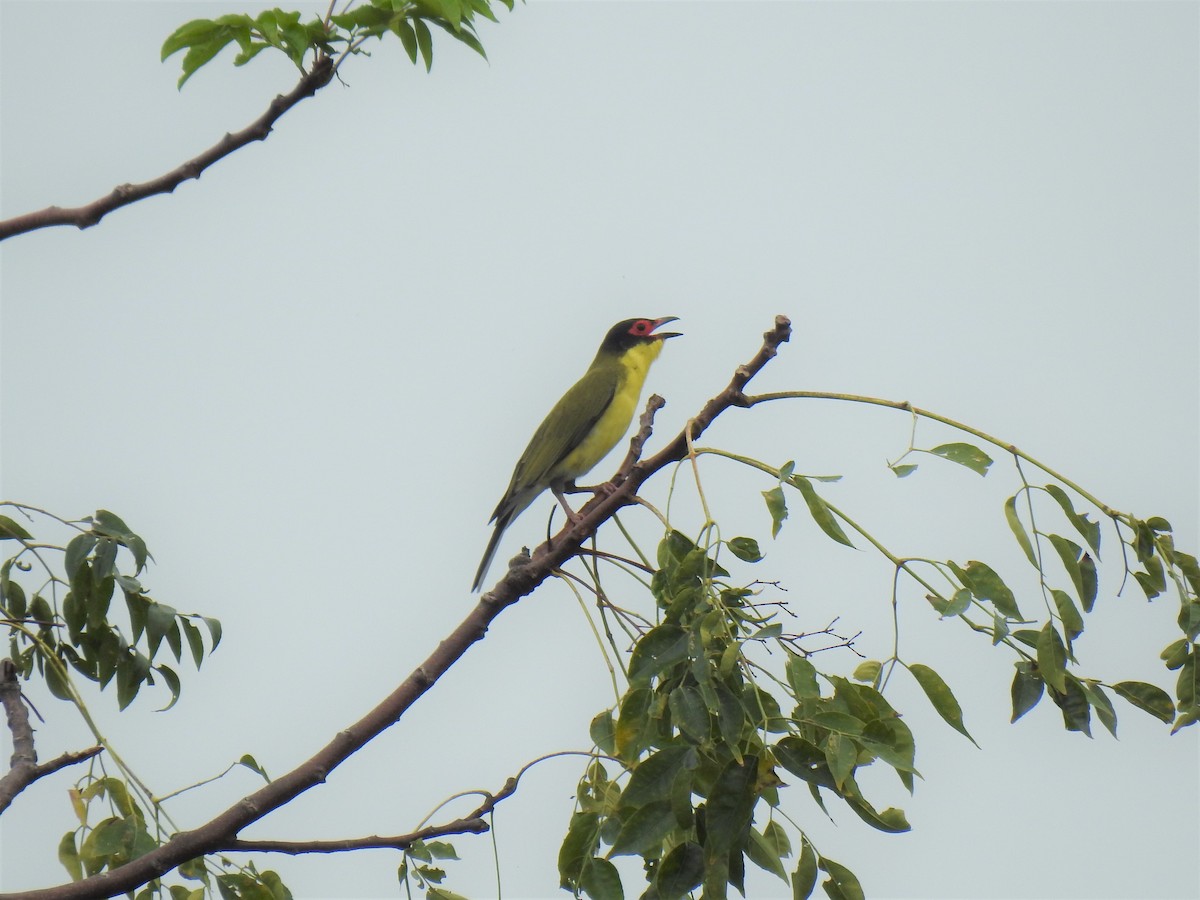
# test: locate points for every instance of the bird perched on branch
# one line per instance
(583, 426)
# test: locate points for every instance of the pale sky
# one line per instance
(305, 380)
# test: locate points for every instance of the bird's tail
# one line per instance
(493, 543)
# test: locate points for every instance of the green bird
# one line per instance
(583, 426)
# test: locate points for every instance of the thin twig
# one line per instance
(472, 823)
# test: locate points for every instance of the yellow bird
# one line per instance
(583, 426)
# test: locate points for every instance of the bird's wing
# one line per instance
(564, 429)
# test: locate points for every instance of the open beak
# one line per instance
(666, 334)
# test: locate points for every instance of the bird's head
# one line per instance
(634, 332)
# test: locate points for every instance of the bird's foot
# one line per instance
(560, 494)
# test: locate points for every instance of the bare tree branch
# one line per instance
(520, 580)
(24, 769)
(472, 823)
(86, 216)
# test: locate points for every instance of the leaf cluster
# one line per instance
(704, 737)
(420, 868)
(1048, 670)
(126, 834)
(341, 34)
(68, 620)
(1156, 566)
(1046, 654)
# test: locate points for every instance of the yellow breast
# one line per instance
(614, 423)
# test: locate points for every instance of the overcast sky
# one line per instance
(305, 380)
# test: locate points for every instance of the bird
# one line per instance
(583, 426)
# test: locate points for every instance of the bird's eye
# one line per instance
(641, 326)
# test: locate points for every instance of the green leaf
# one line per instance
(658, 649)
(867, 671)
(820, 511)
(632, 722)
(985, 584)
(408, 37)
(841, 755)
(109, 837)
(840, 722)
(194, 870)
(941, 697)
(777, 840)
(172, 680)
(680, 872)
(252, 764)
(1086, 527)
(729, 808)
(891, 740)
(777, 507)
(842, 883)
(12, 531)
(132, 670)
(802, 677)
(138, 605)
(200, 54)
(464, 36)
(441, 850)
(74, 613)
(1143, 541)
(1154, 580)
(652, 779)
(160, 619)
(56, 683)
(77, 551)
(889, 821)
(673, 548)
(1148, 698)
(730, 717)
(194, 640)
(1089, 580)
(765, 855)
(745, 549)
(128, 584)
(1027, 689)
(901, 471)
(1176, 653)
(601, 881)
(424, 42)
(1189, 619)
(214, 630)
(109, 524)
(682, 788)
(1073, 702)
(1072, 621)
(1069, 552)
(804, 879)
(137, 547)
(999, 628)
(644, 830)
(1052, 657)
(689, 714)
(1018, 530)
(68, 855)
(603, 732)
(195, 31)
(15, 601)
(1099, 701)
(965, 455)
